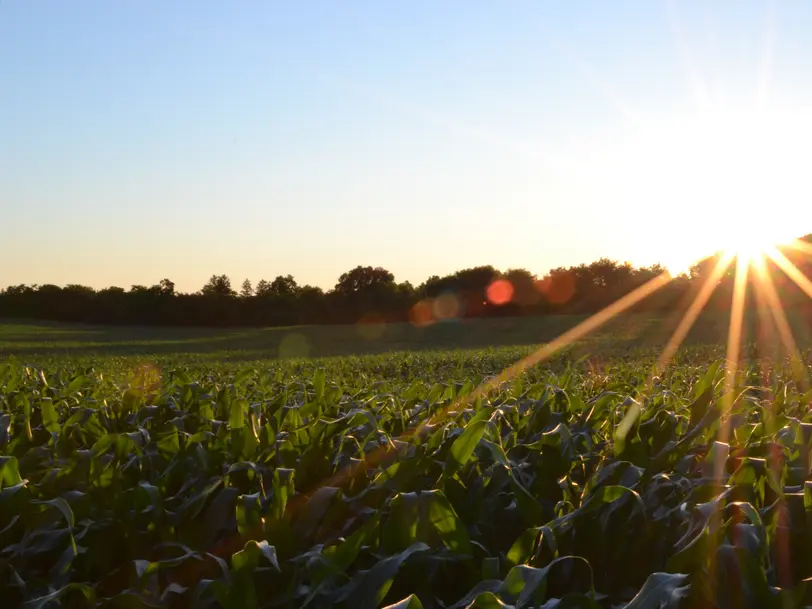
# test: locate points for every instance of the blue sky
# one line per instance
(142, 140)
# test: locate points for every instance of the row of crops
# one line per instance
(372, 482)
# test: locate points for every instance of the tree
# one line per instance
(471, 286)
(364, 279)
(246, 291)
(78, 290)
(218, 285)
(284, 285)
(430, 287)
(525, 287)
(20, 290)
(310, 303)
(476, 280)
(263, 288)
(363, 291)
(407, 289)
(112, 290)
(49, 290)
(166, 287)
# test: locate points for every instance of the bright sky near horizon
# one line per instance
(150, 139)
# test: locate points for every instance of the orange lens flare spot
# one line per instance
(446, 306)
(558, 289)
(500, 292)
(421, 314)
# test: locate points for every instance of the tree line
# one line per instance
(372, 294)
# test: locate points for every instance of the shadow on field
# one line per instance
(68, 340)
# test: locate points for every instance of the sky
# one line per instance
(149, 139)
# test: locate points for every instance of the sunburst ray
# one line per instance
(733, 349)
(765, 283)
(798, 245)
(792, 271)
(693, 312)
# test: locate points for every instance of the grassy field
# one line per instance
(196, 468)
(27, 340)
(271, 343)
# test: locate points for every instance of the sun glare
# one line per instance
(725, 179)
(749, 242)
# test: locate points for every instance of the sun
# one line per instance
(750, 241)
(730, 178)
(733, 179)
(745, 175)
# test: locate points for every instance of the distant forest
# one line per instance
(369, 294)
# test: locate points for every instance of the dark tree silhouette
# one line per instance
(246, 291)
(525, 287)
(364, 279)
(371, 293)
(284, 285)
(218, 285)
(167, 287)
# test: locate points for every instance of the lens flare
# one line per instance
(421, 314)
(500, 292)
(446, 306)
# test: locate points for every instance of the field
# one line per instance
(201, 468)
(73, 341)
(33, 341)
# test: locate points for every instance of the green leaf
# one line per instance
(44, 601)
(490, 568)
(488, 600)
(344, 554)
(749, 572)
(706, 383)
(463, 447)
(236, 418)
(9, 472)
(807, 495)
(169, 443)
(410, 602)
(606, 495)
(497, 453)
(75, 385)
(62, 506)
(525, 546)
(663, 590)
(283, 489)
(249, 557)
(368, 588)
(530, 509)
(50, 418)
(400, 529)
(243, 376)
(337, 558)
(318, 383)
(446, 522)
(248, 513)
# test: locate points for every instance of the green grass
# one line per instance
(268, 343)
(27, 340)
